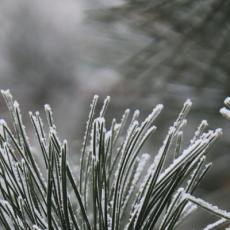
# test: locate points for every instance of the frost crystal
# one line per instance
(225, 112)
(227, 102)
(215, 224)
(209, 207)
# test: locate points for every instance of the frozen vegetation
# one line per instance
(118, 187)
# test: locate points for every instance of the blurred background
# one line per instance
(140, 52)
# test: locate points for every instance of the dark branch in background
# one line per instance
(190, 44)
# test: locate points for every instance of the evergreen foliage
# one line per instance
(117, 187)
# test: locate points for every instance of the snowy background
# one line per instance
(139, 53)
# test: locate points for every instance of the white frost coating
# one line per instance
(42, 218)
(225, 112)
(151, 169)
(150, 118)
(6, 93)
(39, 127)
(48, 108)
(18, 121)
(128, 136)
(209, 207)
(109, 219)
(186, 107)
(181, 158)
(203, 142)
(227, 101)
(185, 110)
(19, 222)
(52, 131)
(145, 157)
(108, 135)
(117, 128)
(142, 162)
(2, 122)
(203, 125)
(215, 224)
(173, 205)
(105, 104)
(35, 227)
(212, 133)
(124, 118)
(95, 97)
(150, 173)
(16, 104)
(180, 125)
(15, 169)
(158, 107)
(4, 202)
(65, 142)
(127, 111)
(219, 132)
(144, 137)
(91, 113)
(100, 120)
(136, 114)
(7, 205)
(108, 98)
(188, 209)
(188, 103)
(202, 159)
(156, 111)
